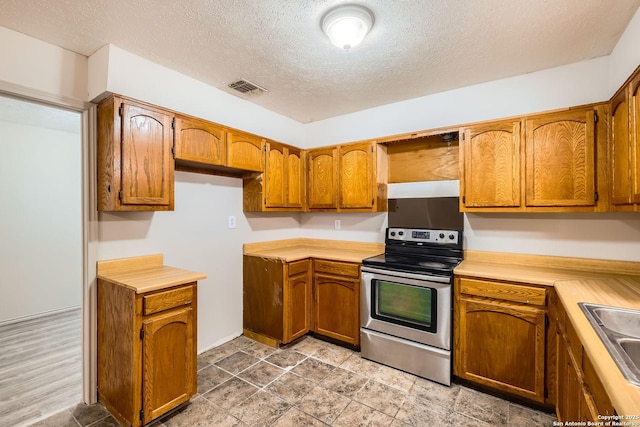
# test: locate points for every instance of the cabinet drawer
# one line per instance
(167, 299)
(503, 291)
(346, 269)
(298, 267)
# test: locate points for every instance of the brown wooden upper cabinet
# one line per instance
(357, 183)
(200, 141)
(245, 151)
(282, 185)
(349, 177)
(135, 161)
(284, 176)
(490, 165)
(625, 152)
(323, 178)
(546, 162)
(560, 160)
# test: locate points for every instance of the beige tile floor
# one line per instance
(314, 383)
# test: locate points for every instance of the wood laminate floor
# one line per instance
(40, 367)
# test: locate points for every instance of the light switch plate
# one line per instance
(232, 222)
(337, 224)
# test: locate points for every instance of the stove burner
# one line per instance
(431, 264)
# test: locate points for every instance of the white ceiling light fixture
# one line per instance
(347, 25)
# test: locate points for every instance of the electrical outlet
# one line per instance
(232, 222)
(337, 224)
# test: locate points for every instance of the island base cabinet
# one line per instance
(146, 350)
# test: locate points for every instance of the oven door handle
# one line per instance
(422, 277)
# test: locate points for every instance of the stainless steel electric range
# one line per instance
(407, 301)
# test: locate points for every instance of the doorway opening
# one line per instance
(41, 259)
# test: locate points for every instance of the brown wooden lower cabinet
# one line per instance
(337, 300)
(277, 298)
(285, 300)
(146, 350)
(581, 395)
(500, 337)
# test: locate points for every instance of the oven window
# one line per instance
(408, 305)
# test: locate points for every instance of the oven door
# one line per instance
(407, 305)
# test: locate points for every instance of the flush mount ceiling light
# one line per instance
(347, 25)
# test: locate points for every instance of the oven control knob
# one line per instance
(401, 233)
(451, 237)
(441, 235)
(393, 233)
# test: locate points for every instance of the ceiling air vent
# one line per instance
(246, 87)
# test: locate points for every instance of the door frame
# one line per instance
(88, 124)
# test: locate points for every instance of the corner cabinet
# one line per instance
(282, 186)
(336, 299)
(624, 140)
(544, 163)
(500, 336)
(276, 299)
(146, 350)
(135, 160)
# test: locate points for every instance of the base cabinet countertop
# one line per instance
(146, 337)
(573, 280)
(291, 287)
(615, 291)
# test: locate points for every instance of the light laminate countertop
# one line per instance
(296, 249)
(145, 273)
(614, 283)
(618, 292)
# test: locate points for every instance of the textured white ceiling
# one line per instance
(416, 47)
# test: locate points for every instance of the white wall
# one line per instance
(40, 220)
(566, 86)
(625, 57)
(195, 237)
(117, 71)
(43, 67)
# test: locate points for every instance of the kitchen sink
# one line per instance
(619, 330)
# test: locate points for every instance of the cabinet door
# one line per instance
(635, 137)
(295, 176)
(502, 345)
(620, 151)
(560, 159)
(491, 165)
(200, 141)
(274, 175)
(298, 306)
(245, 151)
(169, 361)
(323, 178)
(337, 308)
(573, 389)
(357, 176)
(147, 164)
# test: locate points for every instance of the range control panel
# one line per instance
(422, 235)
